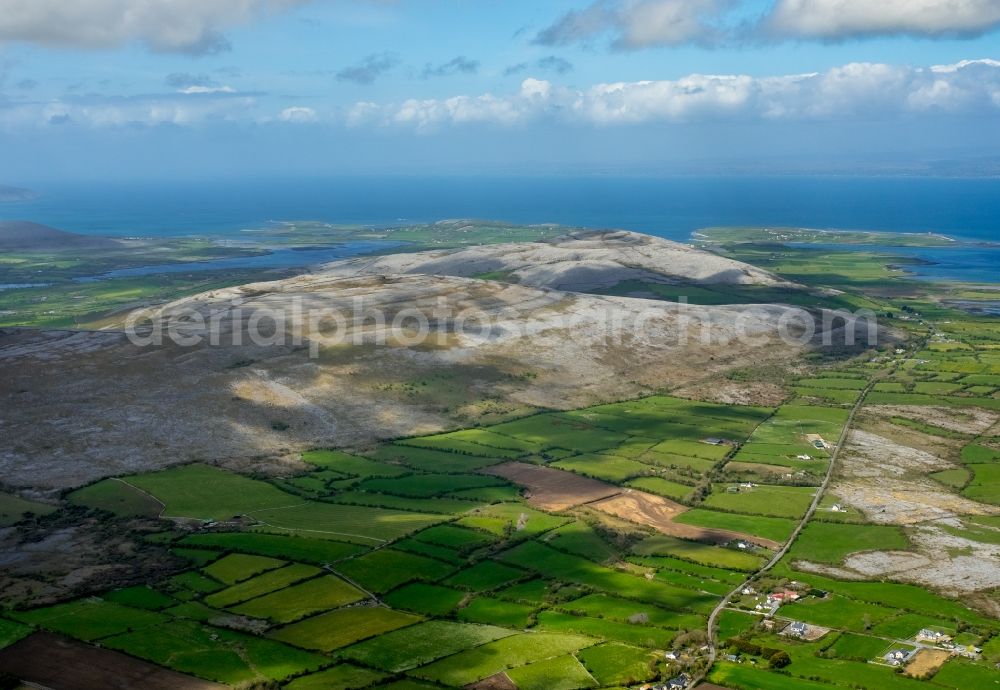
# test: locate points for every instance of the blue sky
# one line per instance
(124, 88)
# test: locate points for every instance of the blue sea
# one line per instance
(670, 207)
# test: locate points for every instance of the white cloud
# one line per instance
(189, 90)
(298, 115)
(640, 23)
(840, 19)
(856, 90)
(140, 111)
(187, 26)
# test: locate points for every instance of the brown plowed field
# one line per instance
(498, 681)
(552, 489)
(62, 664)
(926, 662)
(659, 513)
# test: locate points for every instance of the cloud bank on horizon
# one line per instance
(358, 68)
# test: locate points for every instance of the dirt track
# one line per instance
(62, 664)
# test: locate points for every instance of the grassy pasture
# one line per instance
(744, 677)
(777, 529)
(451, 443)
(346, 522)
(340, 677)
(240, 566)
(433, 505)
(431, 600)
(497, 612)
(551, 563)
(907, 625)
(613, 608)
(694, 449)
(140, 597)
(421, 644)
(487, 494)
(115, 497)
(454, 537)
(857, 647)
(985, 484)
(261, 585)
(214, 653)
(827, 395)
(420, 548)
(491, 439)
(583, 540)
(277, 546)
(838, 612)
(716, 556)
(484, 576)
(428, 485)
(208, 493)
(524, 520)
(638, 635)
(386, 569)
(192, 583)
(603, 466)
(618, 664)
(534, 591)
(431, 460)
(352, 465)
(703, 572)
(662, 487)
(559, 673)
(834, 382)
(826, 542)
(11, 632)
(509, 652)
(762, 499)
(90, 619)
(733, 623)
(552, 431)
(297, 601)
(329, 631)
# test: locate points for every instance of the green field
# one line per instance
(421, 644)
(90, 619)
(295, 548)
(261, 585)
(297, 601)
(115, 496)
(430, 600)
(826, 542)
(329, 631)
(775, 501)
(618, 664)
(492, 611)
(238, 566)
(214, 653)
(484, 576)
(140, 597)
(208, 493)
(551, 563)
(776, 529)
(509, 652)
(386, 569)
(560, 673)
(637, 635)
(662, 487)
(340, 677)
(717, 556)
